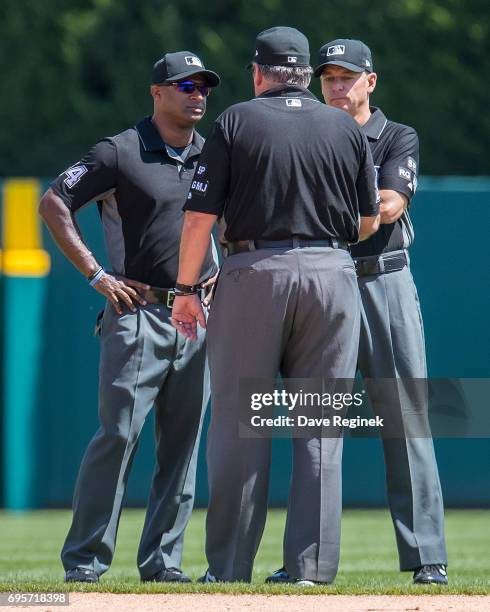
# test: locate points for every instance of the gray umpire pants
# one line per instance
(144, 363)
(269, 315)
(392, 346)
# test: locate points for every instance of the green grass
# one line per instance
(30, 544)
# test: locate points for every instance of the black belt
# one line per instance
(387, 262)
(157, 295)
(243, 246)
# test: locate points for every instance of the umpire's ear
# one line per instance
(156, 92)
(258, 77)
(372, 79)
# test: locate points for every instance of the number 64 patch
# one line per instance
(74, 174)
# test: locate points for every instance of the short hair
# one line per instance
(292, 75)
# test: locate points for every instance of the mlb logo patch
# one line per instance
(192, 60)
(293, 102)
(336, 50)
(292, 59)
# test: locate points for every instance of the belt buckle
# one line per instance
(367, 268)
(170, 299)
(163, 296)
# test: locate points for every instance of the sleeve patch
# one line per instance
(404, 173)
(199, 187)
(201, 169)
(74, 174)
(412, 164)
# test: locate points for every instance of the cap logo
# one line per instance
(336, 50)
(192, 60)
(292, 59)
(367, 63)
(256, 52)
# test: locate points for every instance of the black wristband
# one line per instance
(181, 289)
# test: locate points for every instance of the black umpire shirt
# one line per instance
(395, 149)
(283, 165)
(140, 185)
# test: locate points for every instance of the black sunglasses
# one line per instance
(189, 87)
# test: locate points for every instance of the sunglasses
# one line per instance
(189, 87)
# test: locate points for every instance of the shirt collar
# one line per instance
(152, 141)
(288, 91)
(375, 125)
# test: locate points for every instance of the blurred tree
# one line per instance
(75, 70)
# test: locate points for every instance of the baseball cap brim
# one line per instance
(348, 65)
(211, 78)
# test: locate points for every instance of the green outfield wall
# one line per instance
(49, 355)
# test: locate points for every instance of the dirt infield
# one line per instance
(107, 602)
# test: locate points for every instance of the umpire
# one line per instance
(140, 179)
(291, 178)
(392, 338)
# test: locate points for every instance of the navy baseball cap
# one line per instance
(351, 54)
(178, 66)
(281, 46)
